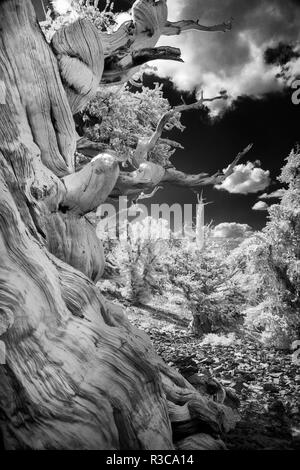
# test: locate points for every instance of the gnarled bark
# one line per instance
(131, 45)
(80, 56)
(89, 187)
(138, 37)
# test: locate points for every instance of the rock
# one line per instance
(269, 387)
(277, 407)
(186, 366)
(275, 369)
(239, 385)
(295, 410)
(207, 361)
(248, 377)
(205, 384)
(276, 374)
(231, 399)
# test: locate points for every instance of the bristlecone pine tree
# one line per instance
(77, 374)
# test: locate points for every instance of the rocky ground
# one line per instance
(266, 381)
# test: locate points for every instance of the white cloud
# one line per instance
(275, 194)
(232, 230)
(294, 68)
(233, 60)
(250, 78)
(245, 179)
(260, 206)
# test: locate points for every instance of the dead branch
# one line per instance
(179, 178)
(144, 147)
(178, 27)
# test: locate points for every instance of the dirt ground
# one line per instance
(265, 380)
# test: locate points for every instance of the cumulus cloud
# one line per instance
(245, 179)
(232, 230)
(292, 70)
(232, 60)
(275, 194)
(62, 6)
(260, 206)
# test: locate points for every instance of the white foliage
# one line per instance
(219, 340)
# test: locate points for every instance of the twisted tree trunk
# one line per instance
(77, 375)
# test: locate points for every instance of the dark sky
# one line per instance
(271, 124)
(260, 111)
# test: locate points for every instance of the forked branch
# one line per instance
(144, 147)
